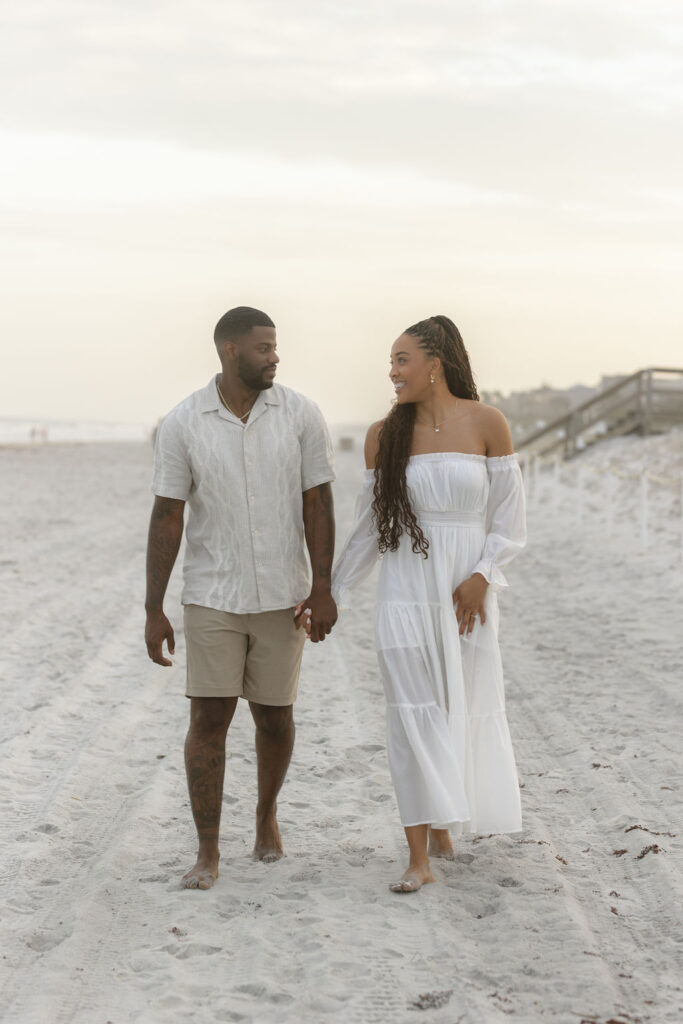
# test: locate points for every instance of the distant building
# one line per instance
(527, 409)
(608, 382)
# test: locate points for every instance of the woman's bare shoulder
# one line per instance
(495, 430)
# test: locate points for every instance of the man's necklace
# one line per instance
(241, 418)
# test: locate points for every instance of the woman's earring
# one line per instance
(431, 379)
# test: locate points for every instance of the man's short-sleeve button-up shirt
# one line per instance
(245, 546)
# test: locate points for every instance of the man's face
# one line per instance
(257, 358)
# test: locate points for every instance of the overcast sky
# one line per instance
(348, 167)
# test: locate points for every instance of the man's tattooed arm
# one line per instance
(165, 534)
(318, 511)
(319, 531)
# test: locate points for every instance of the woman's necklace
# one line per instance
(436, 426)
(241, 418)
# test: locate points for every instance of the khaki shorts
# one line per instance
(254, 656)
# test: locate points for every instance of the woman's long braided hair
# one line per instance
(391, 508)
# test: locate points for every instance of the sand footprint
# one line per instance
(261, 992)
(487, 911)
(192, 949)
(42, 942)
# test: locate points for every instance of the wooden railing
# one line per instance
(647, 402)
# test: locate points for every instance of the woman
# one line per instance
(443, 502)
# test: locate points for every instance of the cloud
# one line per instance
(515, 163)
(569, 101)
(124, 56)
(55, 172)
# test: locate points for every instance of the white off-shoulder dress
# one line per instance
(448, 743)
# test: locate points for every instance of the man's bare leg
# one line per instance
(441, 844)
(274, 745)
(205, 767)
(419, 872)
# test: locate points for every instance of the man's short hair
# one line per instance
(237, 322)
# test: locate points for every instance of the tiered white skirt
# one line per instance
(448, 743)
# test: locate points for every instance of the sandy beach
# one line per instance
(577, 919)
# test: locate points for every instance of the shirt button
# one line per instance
(251, 497)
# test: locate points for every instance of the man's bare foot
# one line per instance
(203, 874)
(268, 845)
(440, 844)
(413, 879)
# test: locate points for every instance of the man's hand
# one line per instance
(158, 629)
(317, 614)
(469, 601)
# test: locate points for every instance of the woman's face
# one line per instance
(411, 369)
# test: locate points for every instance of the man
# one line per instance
(253, 461)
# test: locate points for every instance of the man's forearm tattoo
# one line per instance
(319, 529)
(165, 534)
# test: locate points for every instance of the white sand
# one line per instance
(96, 830)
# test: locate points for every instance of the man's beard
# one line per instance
(251, 378)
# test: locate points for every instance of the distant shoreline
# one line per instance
(83, 442)
(36, 432)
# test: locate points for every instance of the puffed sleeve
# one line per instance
(360, 552)
(505, 519)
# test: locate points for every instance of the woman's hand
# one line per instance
(469, 602)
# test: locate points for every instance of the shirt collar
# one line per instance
(210, 402)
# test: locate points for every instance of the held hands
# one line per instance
(317, 614)
(469, 602)
(158, 629)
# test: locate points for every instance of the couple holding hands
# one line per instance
(442, 502)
